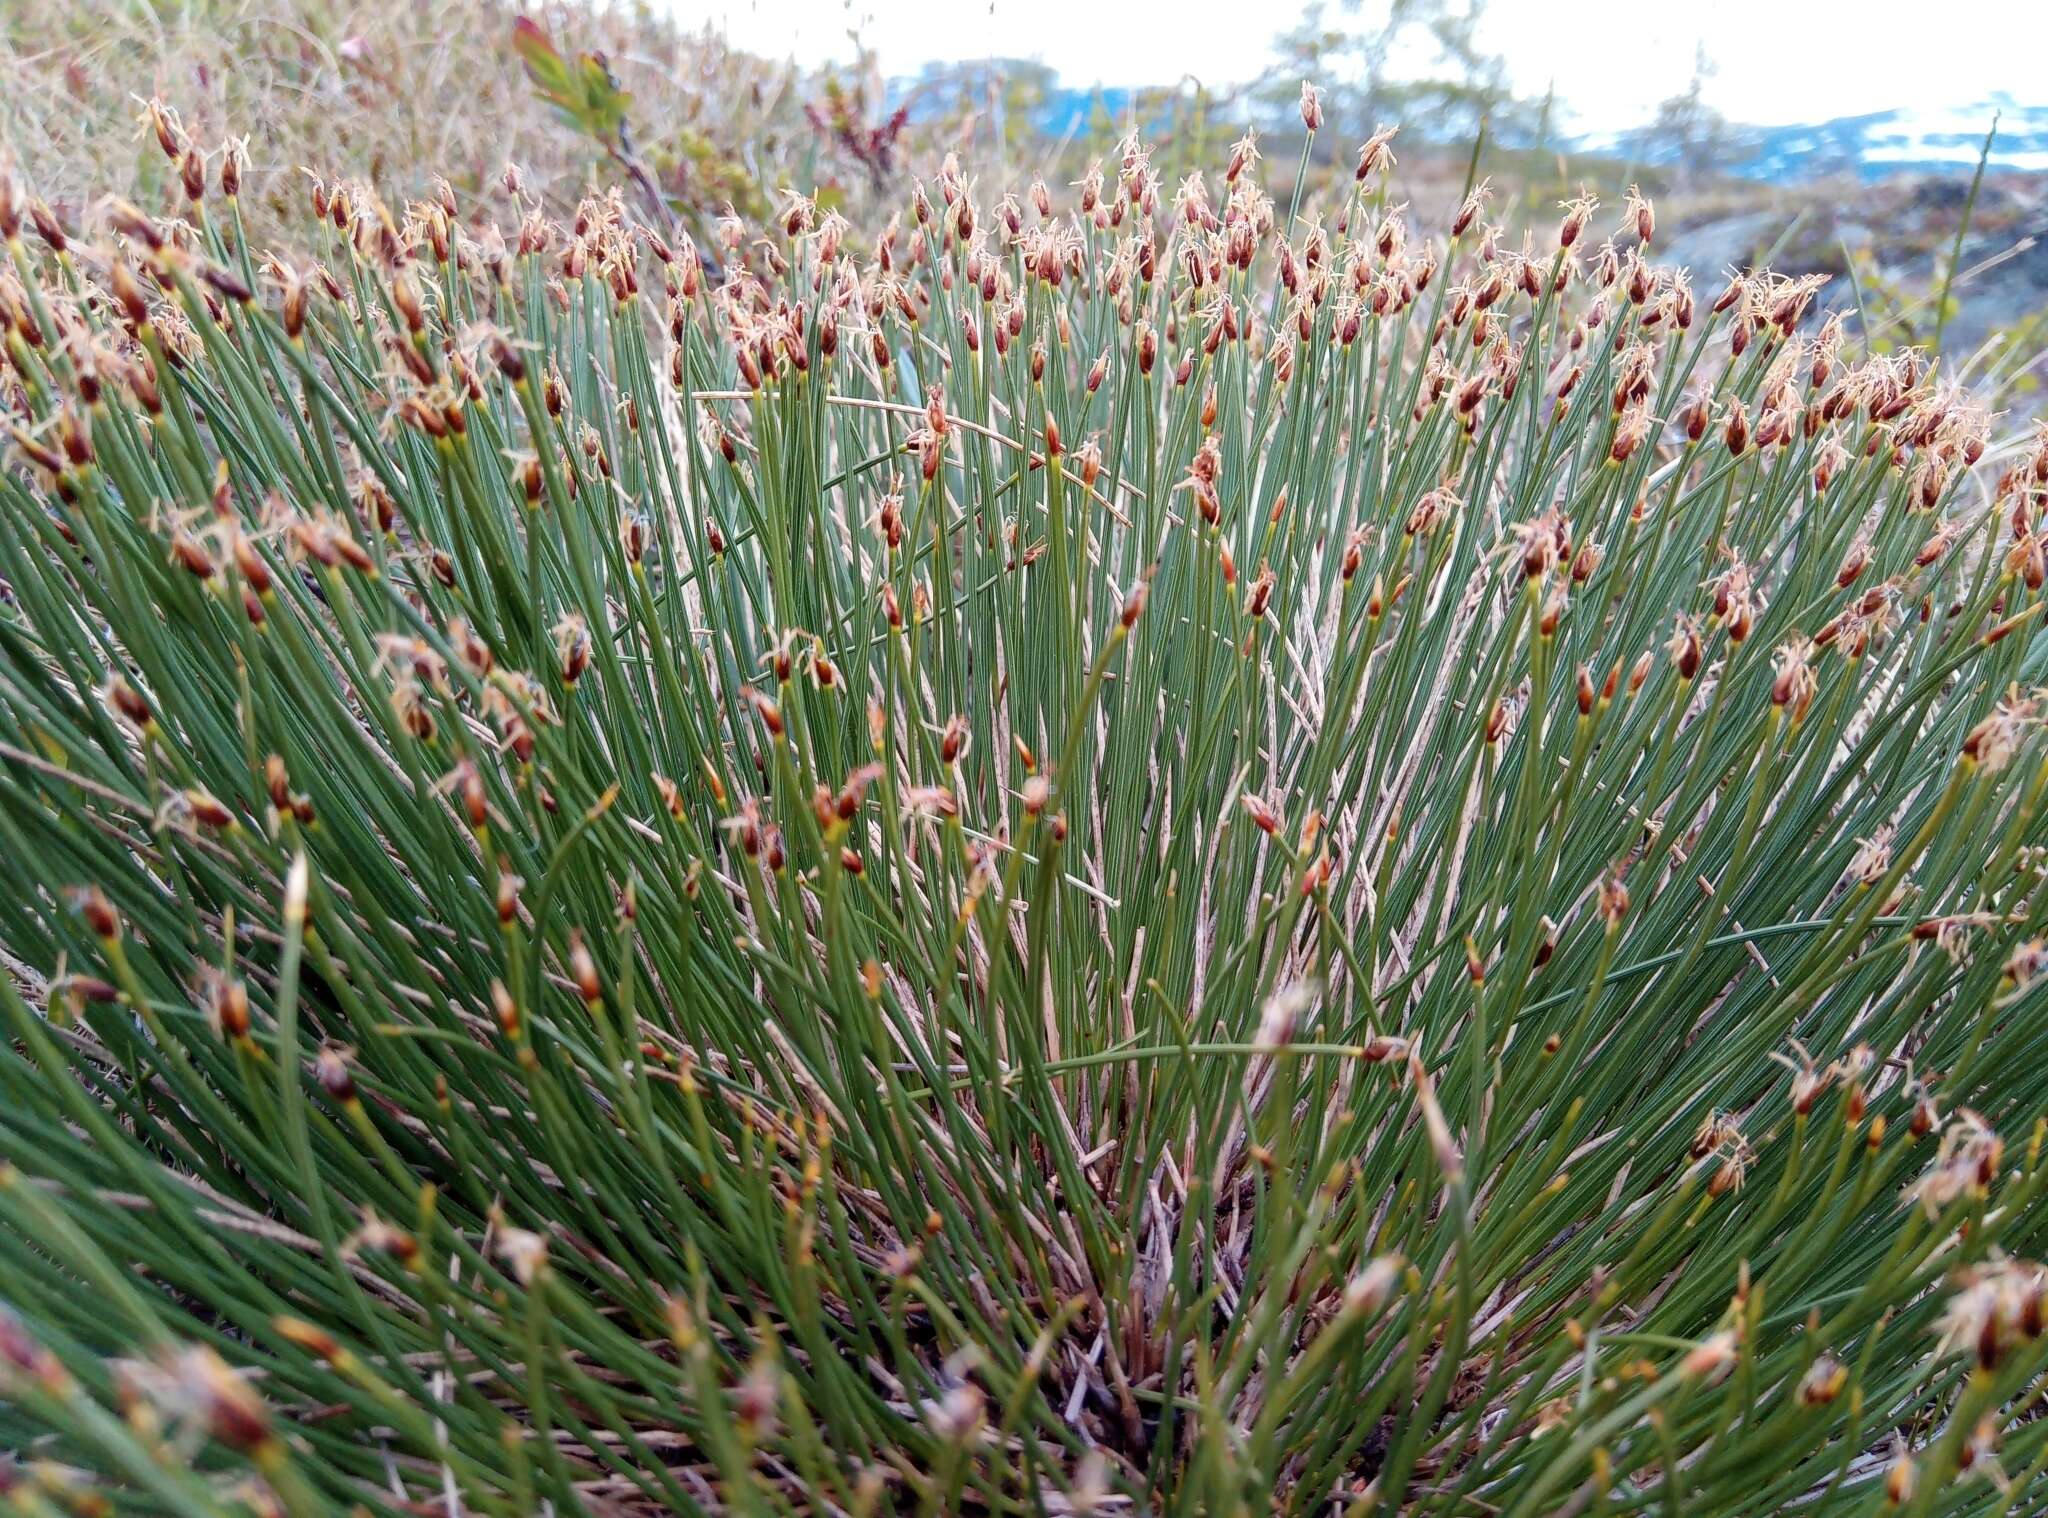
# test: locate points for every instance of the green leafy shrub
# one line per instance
(1196, 857)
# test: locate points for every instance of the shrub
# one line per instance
(1198, 858)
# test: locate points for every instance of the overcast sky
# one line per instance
(1775, 61)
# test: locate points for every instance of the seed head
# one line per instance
(1375, 156)
(1573, 224)
(330, 1068)
(571, 637)
(24, 1358)
(1134, 604)
(1638, 214)
(524, 1251)
(207, 1393)
(1901, 1476)
(1260, 594)
(1966, 1162)
(583, 970)
(1997, 1307)
(100, 917)
(309, 1337)
(1793, 684)
(1262, 813)
(1367, 1291)
(1282, 1013)
(1710, 1359)
(1823, 1381)
(1311, 106)
(1613, 900)
(1991, 744)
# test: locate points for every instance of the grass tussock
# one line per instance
(1126, 851)
(407, 91)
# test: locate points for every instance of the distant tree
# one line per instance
(1416, 62)
(1686, 133)
(997, 102)
(846, 116)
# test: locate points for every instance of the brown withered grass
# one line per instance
(402, 91)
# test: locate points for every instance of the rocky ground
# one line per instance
(1888, 247)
